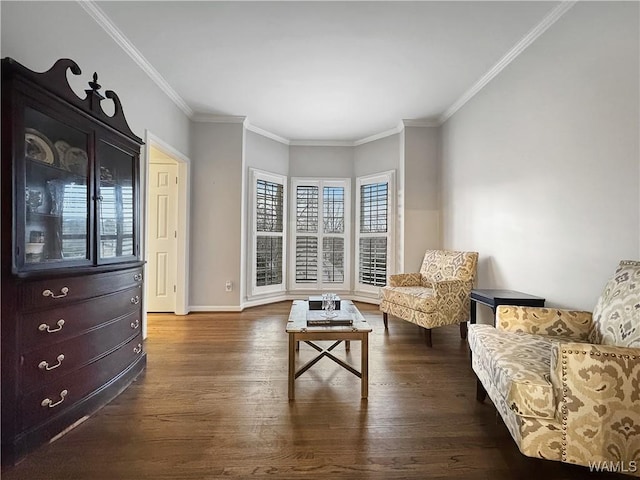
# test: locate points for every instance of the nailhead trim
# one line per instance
(633, 263)
(565, 389)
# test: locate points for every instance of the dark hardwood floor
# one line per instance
(213, 404)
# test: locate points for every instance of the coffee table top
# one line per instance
(298, 319)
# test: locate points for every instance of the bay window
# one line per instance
(374, 231)
(320, 234)
(268, 233)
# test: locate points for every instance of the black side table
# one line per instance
(492, 298)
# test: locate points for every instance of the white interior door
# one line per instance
(162, 253)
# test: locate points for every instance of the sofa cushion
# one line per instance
(415, 298)
(519, 367)
(616, 316)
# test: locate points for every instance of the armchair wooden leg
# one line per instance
(463, 330)
(427, 332)
(481, 393)
(385, 320)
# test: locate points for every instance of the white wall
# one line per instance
(216, 215)
(382, 155)
(414, 155)
(378, 156)
(266, 154)
(36, 34)
(421, 195)
(270, 156)
(540, 171)
(320, 161)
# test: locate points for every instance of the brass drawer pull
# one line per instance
(45, 365)
(137, 277)
(63, 293)
(135, 300)
(45, 328)
(135, 324)
(137, 349)
(47, 402)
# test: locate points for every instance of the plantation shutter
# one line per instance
(269, 228)
(306, 223)
(320, 235)
(374, 206)
(374, 231)
(333, 246)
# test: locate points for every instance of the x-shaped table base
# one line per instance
(338, 337)
(326, 353)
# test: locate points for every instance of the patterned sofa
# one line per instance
(567, 383)
(440, 294)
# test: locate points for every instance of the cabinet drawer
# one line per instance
(43, 328)
(50, 400)
(61, 291)
(49, 363)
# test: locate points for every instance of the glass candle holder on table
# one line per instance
(329, 304)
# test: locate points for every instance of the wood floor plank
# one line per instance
(213, 404)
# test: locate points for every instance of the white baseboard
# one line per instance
(269, 300)
(265, 301)
(215, 308)
(363, 299)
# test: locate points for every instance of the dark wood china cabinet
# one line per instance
(71, 269)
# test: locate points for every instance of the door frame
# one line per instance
(159, 163)
(183, 207)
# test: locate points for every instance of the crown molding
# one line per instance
(510, 56)
(114, 32)
(265, 133)
(211, 118)
(321, 143)
(372, 138)
(378, 136)
(164, 147)
(408, 122)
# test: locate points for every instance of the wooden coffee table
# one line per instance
(299, 332)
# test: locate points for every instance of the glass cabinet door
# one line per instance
(116, 203)
(55, 213)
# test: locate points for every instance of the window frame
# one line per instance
(255, 290)
(319, 284)
(389, 178)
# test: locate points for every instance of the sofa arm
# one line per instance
(573, 324)
(597, 391)
(405, 280)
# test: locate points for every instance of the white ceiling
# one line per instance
(324, 70)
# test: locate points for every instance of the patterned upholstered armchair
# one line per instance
(567, 383)
(440, 294)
